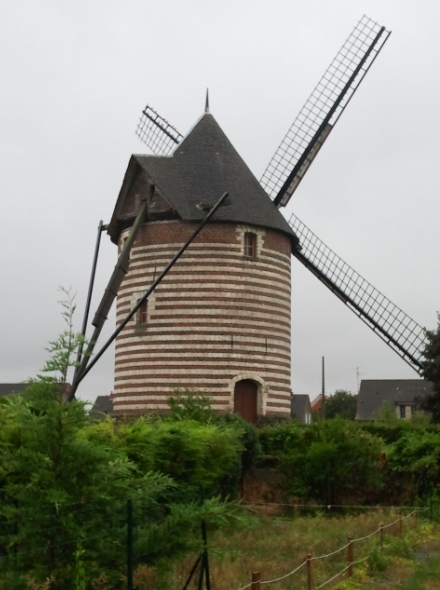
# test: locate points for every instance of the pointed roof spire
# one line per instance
(207, 101)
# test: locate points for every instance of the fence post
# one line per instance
(350, 557)
(400, 525)
(129, 545)
(205, 562)
(256, 578)
(381, 535)
(309, 572)
(415, 518)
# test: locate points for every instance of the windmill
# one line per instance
(221, 320)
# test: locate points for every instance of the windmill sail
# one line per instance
(397, 329)
(157, 133)
(322, 110)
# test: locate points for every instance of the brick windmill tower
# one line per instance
(220, 320)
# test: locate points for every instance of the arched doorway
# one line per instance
(245, 400)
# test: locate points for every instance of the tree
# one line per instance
(65, 481)
(62, 499)
(65, 348)
(342, 403)
(431, 370)
(195, 405)
(331, 461)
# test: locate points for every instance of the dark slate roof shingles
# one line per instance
(103, 405)
(374, 393)
(8, 388)
(300, 406)
(203, 167)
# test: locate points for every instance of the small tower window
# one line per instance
(250, 244)
(143, 313)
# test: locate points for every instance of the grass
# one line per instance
(275, 546)
(427, 575)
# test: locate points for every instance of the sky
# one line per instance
(75, 78)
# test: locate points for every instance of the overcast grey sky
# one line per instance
(75, 77)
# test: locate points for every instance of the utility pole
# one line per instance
(323, 390)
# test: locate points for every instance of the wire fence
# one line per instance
(107, 537)
(120, 536)
(296, 509)
(348, 569)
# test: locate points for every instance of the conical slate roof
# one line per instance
(204, 166)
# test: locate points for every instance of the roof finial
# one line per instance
(207, 101)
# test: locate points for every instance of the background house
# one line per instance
(8, 388)
(301, 408)
(402, 395)
(316, 404)
(102, 407)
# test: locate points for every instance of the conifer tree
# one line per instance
(65, 481)
(62, 499)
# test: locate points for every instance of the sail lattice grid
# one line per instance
(157, 133)
(394, 326)
(324, 106)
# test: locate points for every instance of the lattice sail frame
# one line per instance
(395, 327)
(289, 164)
(322, 110)
(157, 133)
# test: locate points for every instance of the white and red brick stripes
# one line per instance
(217, 317)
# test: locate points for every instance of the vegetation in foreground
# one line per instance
(66, 484)
(427, 574)
(277, 546)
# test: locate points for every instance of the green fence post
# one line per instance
(129, 545)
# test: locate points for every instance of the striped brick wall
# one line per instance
(217, 317)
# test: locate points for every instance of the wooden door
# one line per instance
(245, 400)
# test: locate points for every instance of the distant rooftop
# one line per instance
(8, 388)
(374, 393)
(103, 406)
(300, 408)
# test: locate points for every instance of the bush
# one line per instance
(189, 404)
(414, 463)
(65, 482)
(332, 461)
(195, 405)
(377, 561)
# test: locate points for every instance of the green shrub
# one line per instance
(377, 561)
(251, 450)
(65, 481)
(400, 547)
(331, 461)
(414, 463)
(191, 404)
